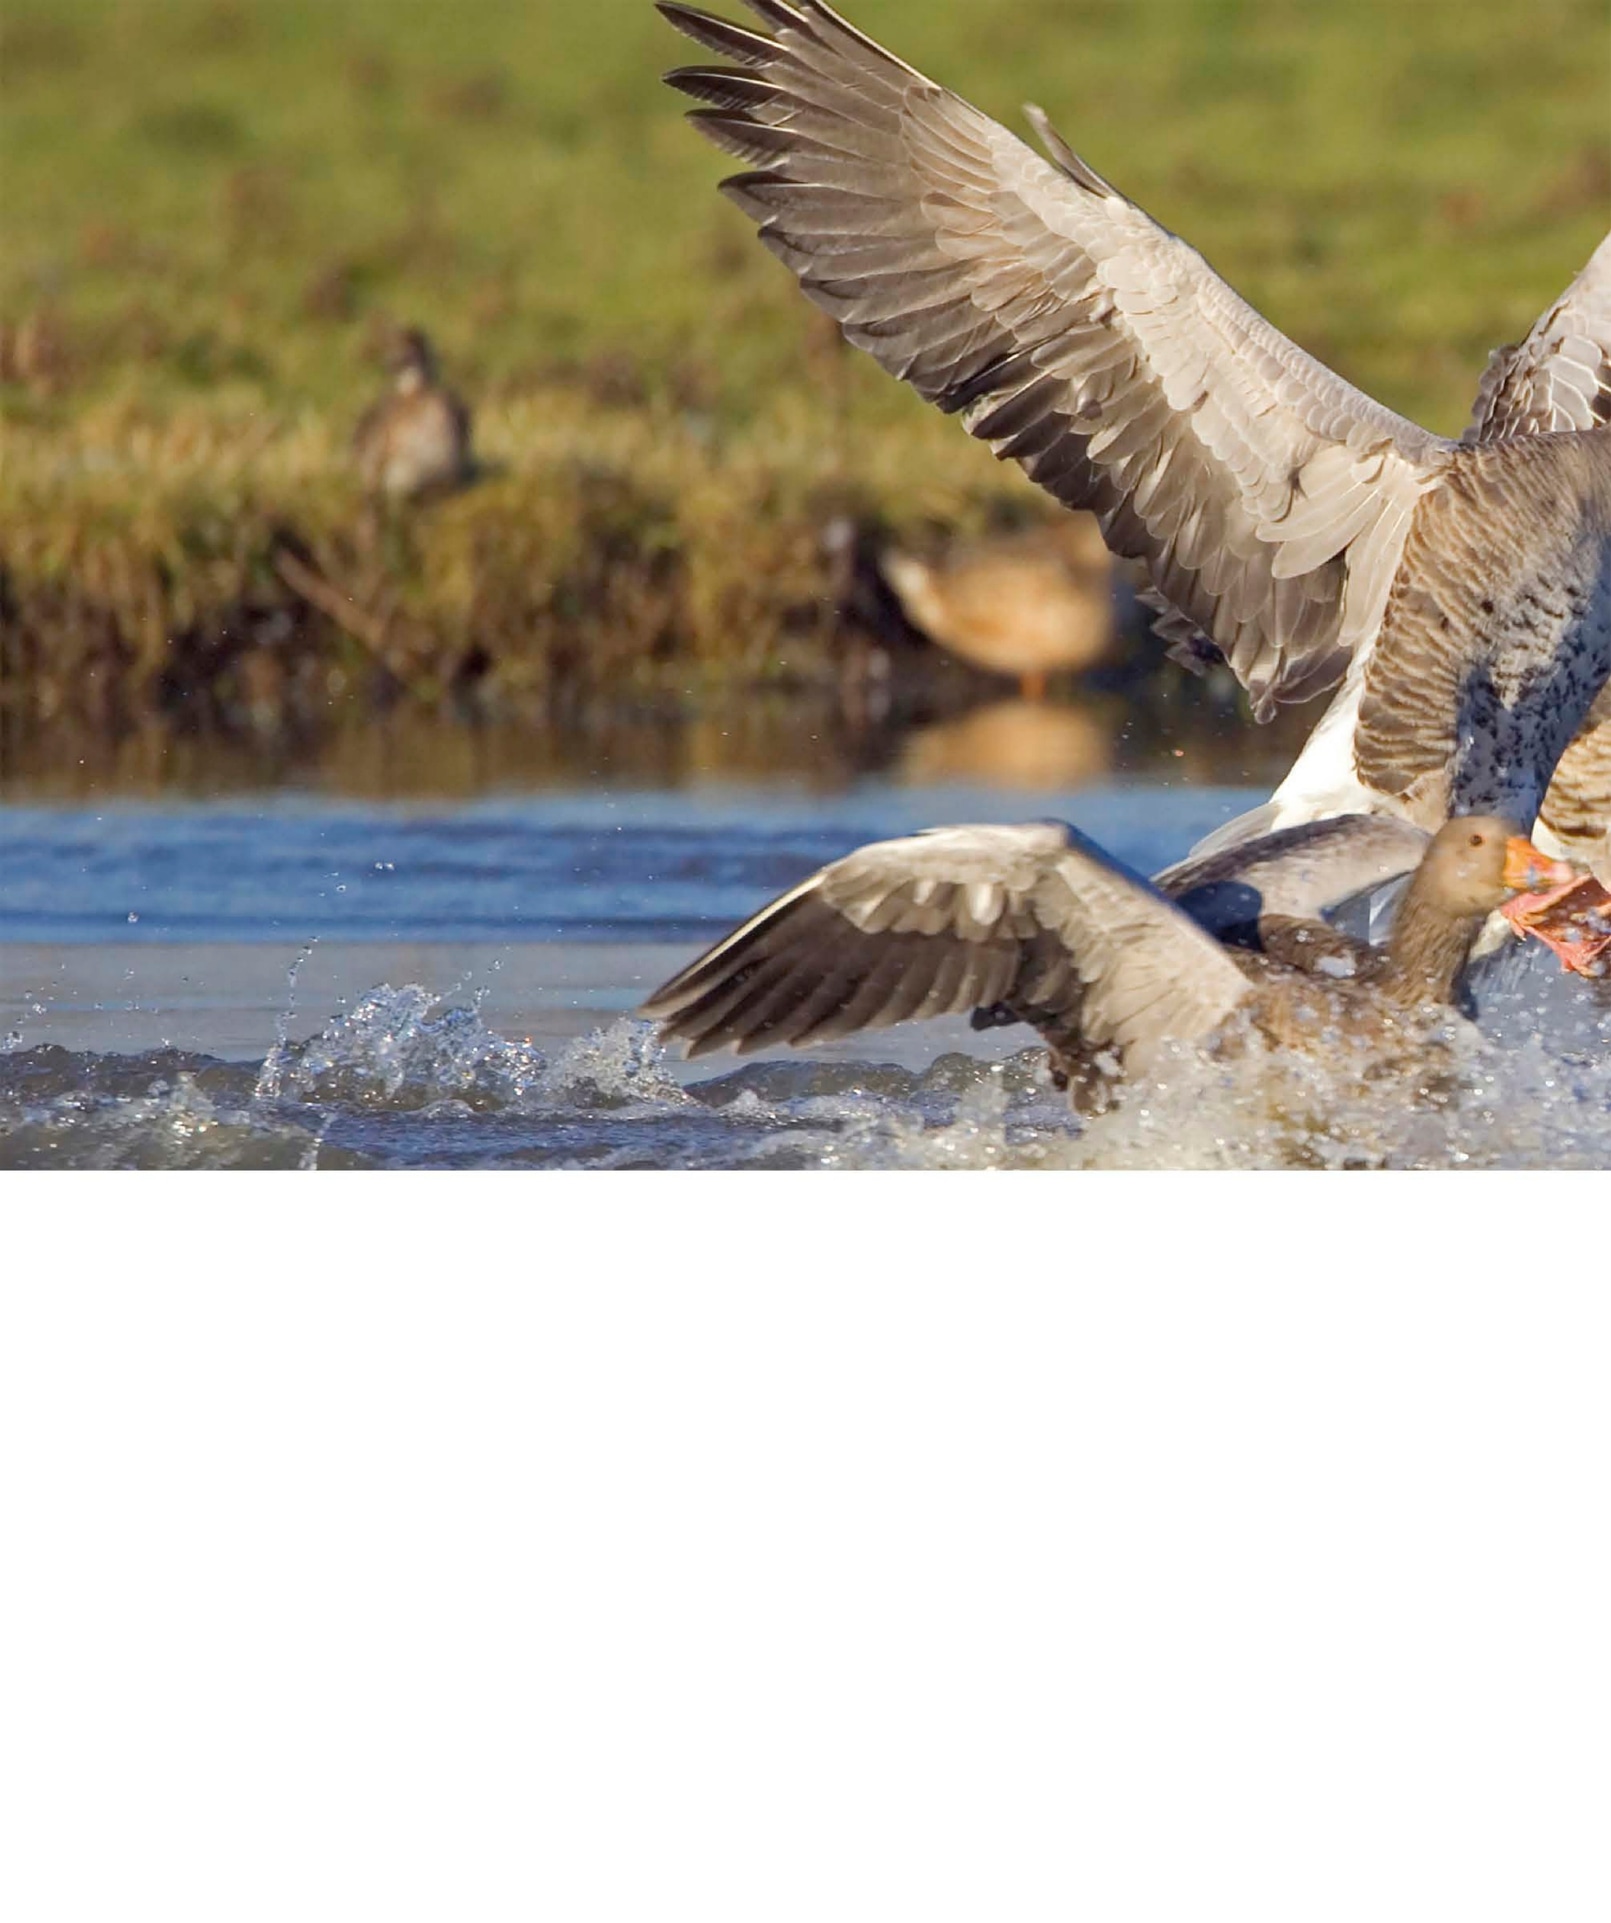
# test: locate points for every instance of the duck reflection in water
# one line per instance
(1011, 744)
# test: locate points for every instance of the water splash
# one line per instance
(621, 1066)
(405, 1078)
(268, 1081)
(161, 1111)
(403, 1048)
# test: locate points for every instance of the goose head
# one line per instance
(1472, 866)
(1475, 863)
(412, 361)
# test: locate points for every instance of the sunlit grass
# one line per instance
(208, 206)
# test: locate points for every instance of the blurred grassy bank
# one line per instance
(209, 207)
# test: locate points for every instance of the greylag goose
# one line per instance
(1028, 605)
(415, 440)
(1460, 592)
(1037, 924)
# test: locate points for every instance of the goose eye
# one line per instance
(1477, 840)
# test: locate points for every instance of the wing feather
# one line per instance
(1558, 380)
(1075, 336)
(1034, 918)
(1298, 874)
(1150, 974)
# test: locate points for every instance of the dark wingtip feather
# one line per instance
(728, 88)
(721, 36)
(749, 193)
(743, 138)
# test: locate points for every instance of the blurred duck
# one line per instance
(1027, 605)
(416, 441)
(1037, 924)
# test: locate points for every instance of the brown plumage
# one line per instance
(1027, 605)
(1577, 809)
(1288, 523)
(1037, 924)
(415, 441)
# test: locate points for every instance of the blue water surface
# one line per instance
(641, 867)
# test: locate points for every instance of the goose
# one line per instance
(1028, 605)
(1456, 594)
(416, 439)
(1037, 924)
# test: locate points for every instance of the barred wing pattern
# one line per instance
(1577, 809)
(1268, 499)
(1035, 917)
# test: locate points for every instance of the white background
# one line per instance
(764, 1548)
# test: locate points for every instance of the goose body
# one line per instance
(1457, 594)
(1491, 653)
(1577, 810)
(416, 439)
(1037, 924)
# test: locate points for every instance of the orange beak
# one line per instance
(1528, 871)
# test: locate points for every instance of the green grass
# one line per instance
(207, 206)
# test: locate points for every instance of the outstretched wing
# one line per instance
(935, 924)
(1559, 379)
(956, 919)
(1268, 499)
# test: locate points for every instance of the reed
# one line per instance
(616, 553)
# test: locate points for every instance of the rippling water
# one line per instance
(590, 867)
(306, 984)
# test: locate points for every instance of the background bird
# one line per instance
(416, 440)
(1028, 605)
